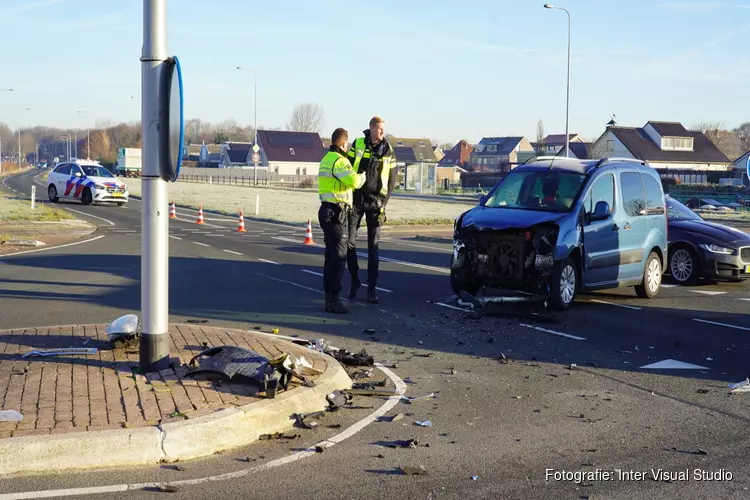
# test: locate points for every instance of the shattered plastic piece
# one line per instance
(374, 392)
(337, 399)
(474, 478)
(57, 352)
(397, 417)
(278, 435)
(310, 420)
(124, 328)
(413, 471)
(166, 488)
(426, 423)
(10, 416)
(743, 386)
(348, 358)
(420, 398)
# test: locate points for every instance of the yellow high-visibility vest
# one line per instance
(337, 179)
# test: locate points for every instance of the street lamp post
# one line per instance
(19, 139)
(567, 89)
(66, 138)
(1, 139)
(88, 138)
(255, 110)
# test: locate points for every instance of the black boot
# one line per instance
(335, 305)
(328, 302)
(354, 286)
(372, 298)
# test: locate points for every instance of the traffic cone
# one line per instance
(172, 212)
(241, 229)
(200, 216)
(308, 234)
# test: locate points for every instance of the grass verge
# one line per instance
(15, 209)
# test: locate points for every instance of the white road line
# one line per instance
(722, 324)
(312, 272)
(124, 231)
(745, 299)
(201, 244)
(51, 248)
(410, 264)
(708, 292)
(175, 237)
(616, 305)
(363, 284)
(290, 240)
(300, 286)
(462, 309)
(232, 252)
(416, 245)
(269, 262)
(566, 335)
(89, 215)
(295, 457)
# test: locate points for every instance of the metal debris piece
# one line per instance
(10, 416)
(474, 478)
(337, 399)
(743, 386)
(350, 359)
(420, 398)
(362, 374)
(426, 423)
(166, 488)
(402, 443)
(232, 361)
(369, 385)
(310, 420)
(56, 352)
(373, 392)
(413, 471)
(124, 330)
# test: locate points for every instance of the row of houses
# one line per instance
(687, 156)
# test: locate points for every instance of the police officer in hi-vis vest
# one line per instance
(373, 156)
(336, 181)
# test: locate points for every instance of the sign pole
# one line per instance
(154, 342)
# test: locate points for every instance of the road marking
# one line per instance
(175, 237)
(722, 324)
(89, 215)
(672, 364)
(124, 231)
(232, 252)
(52, 248)
(292, 283)
(745, 299)
(566, 335)
(708, 292)
(363, 284)
(462, 309)
(201, 244)
(295, 457)
(416, 245)
(269, 262)
(289, 240)
(312, 272)
(613, 304)
(668, 286)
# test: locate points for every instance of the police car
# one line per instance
(86, 181)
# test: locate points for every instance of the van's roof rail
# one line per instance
(555, 158)
(604, 161)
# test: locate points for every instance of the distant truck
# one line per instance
(128, 162)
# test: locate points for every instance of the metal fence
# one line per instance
(288, 182)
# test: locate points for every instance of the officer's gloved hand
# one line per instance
(382, 215)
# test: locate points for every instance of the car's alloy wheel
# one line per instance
(682, 265)
(563, 284)
(52, 192)
(568, 284)
(649, 287)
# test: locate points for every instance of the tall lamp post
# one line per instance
(255, 110)
(66, 138)
(567, 90)
(19, 139)
(1, 139)
(88, 137)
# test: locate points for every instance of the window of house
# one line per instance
(492, 147)
(602, 190)
(304, 171)
(633, 197)
(276, 170)
(654, 197)
(291, 150)
(610, 145)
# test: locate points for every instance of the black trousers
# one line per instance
(372, 218)
(334, 220)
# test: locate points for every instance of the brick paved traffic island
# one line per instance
(75, 394)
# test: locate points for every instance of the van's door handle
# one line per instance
(627, 226)
(615, 228)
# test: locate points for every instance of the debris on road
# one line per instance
(197, 321)
(743, 386)
(278, 435)
(124, 331)
(337, 399)
(310, 420)
(166, 488)
(374, 392)
(474, 478)
(10, 416)
(425, 423)
(413, 471)
(420, 398)
(368, 385)
(401, 443)
(702, 391)
(56, 352)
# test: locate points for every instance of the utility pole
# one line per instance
(1, 140)
(255, 109)
(154, 342)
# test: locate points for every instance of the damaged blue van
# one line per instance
(555, 227)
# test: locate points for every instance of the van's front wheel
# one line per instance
(649, 288)
(563, 284)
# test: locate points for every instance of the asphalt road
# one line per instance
(504, 422)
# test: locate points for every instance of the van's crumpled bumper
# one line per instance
(519, 260)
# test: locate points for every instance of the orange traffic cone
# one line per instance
(241, 229)
(200, 216)
(308, 234)
(172, 212)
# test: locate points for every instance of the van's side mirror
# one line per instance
(601, 211)
(77, 174)
(483, 199)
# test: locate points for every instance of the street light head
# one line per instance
(549, 6)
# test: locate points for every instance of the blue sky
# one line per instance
(440, 69)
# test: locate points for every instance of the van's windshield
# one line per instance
(542, 191)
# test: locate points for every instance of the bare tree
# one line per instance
(743, 133)
(540, 137)
(307, 117)
(728, 142)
